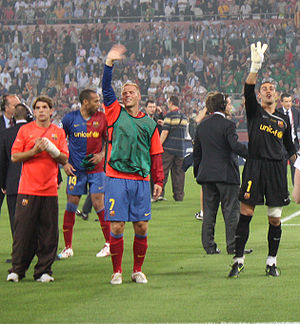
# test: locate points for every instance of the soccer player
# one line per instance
(86, 130)
(264, 174)
(134, 150)
(40, 145)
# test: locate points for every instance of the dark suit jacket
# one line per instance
(9, 171)
(296, 119)
(215, 151)
(2, 123)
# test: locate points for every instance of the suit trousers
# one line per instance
(11, 204)
(35, 232)
(173, 163)
(87, 206)
(291, 164)
(1, 199)
(214, 194)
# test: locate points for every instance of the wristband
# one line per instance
(255, 67)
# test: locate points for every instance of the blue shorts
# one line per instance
(77, 185)
(127, 200)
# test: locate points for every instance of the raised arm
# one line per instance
(257, 58)
(115, 54)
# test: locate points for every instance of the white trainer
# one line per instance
(66, 253)
(116, 278)
(14, 277)
(45, 278)
(104, 252)
(139, 277)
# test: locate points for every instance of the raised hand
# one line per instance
(257, 56)
(115, 54)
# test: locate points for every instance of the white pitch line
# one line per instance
(290, 224)
(290, 217)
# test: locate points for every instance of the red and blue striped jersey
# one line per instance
(85, 137)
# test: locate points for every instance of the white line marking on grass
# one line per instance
(290, 224)
(290, 217)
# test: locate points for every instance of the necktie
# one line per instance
(11, 123)
(292, 125)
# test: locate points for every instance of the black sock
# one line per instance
(241, 235)
(274, 236)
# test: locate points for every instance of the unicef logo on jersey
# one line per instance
(269, 129)
(90, 134)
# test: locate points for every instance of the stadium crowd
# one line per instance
(79, 11)
(164, 57)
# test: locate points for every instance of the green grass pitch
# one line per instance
(185, 284)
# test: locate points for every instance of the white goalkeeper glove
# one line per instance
(257, 56)
(51, 148)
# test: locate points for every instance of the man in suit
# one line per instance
(294, 117)
(8, 104)
(9, 171)
(216, 169)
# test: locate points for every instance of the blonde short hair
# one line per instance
(129, 83)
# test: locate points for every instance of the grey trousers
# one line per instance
(213, 195)
(174, 164)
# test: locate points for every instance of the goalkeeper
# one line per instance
(86, 131)
(264, 178)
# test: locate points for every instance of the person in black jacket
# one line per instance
(216, 169)
(8, 104)
(9, 171)
(293, 113)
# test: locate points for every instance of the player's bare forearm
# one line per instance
(22, 156)
(69, 169)
(38, 147)
(62, 159)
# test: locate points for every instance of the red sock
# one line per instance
(69, 220)
(116, 250)
(139, 252)
(105, 225)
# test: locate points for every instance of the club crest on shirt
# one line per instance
(24, 202)
(112, 213)
(280, 123)
(247, 195)
(71, 187)
(54, 137)
(95, 123)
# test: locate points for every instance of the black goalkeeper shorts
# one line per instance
(264, 182)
